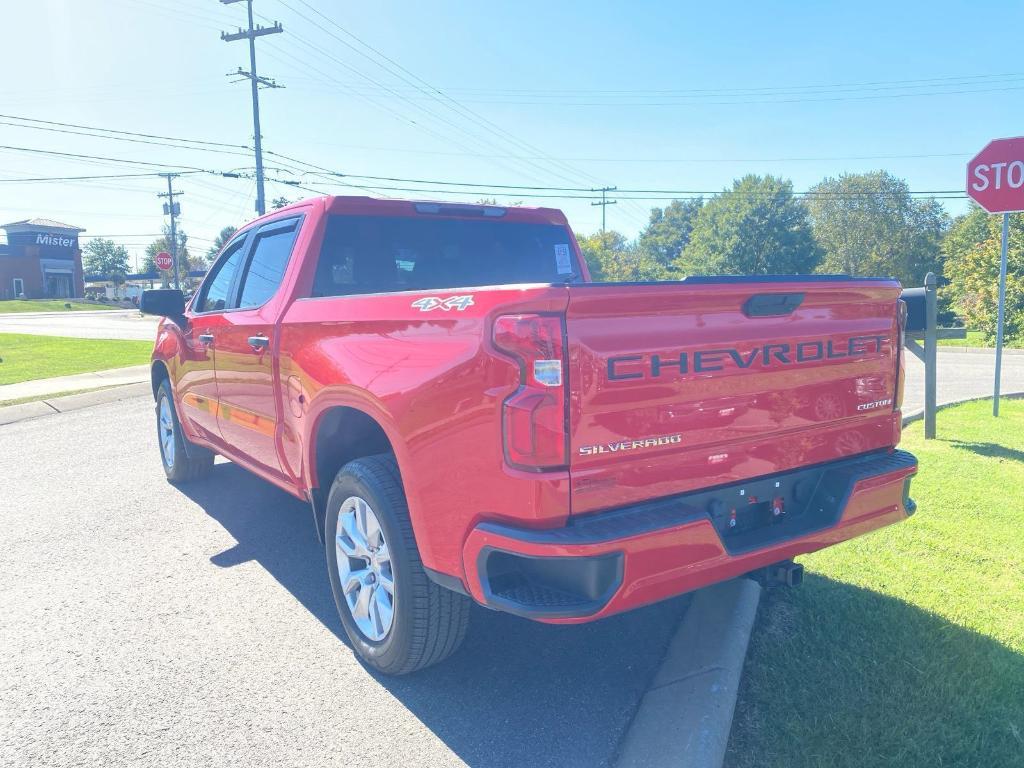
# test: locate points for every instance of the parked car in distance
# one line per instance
(471, 418)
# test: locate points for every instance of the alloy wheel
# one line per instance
(165, 428)
(364, 569)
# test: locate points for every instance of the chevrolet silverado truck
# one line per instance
(471, 418)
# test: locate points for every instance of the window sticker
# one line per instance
(563, 262)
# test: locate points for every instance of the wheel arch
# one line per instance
(343, 430)
(158, 374)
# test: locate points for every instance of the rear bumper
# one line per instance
(613, 561)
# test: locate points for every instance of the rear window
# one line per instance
(379, 254)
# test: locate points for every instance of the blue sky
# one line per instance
(644, 95)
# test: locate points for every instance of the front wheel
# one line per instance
(179, 465)
(397, 619)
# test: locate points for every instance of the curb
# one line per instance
(47, 407)
(1006, 351)
(685, 717)
(918, 413)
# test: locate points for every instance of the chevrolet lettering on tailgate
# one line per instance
(626, 367)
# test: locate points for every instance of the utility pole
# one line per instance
(172, 209)
(605, 202)
(251, 34)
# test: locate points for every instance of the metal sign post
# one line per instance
(995, 181)
(1001, 312)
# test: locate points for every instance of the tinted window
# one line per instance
(373, 254)
(214, 297)
(271, 249)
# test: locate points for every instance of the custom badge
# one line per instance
(876, 404)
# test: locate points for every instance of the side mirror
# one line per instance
(167, 302)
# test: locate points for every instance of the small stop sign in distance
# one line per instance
(163, 261)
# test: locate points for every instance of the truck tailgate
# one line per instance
(679, 386)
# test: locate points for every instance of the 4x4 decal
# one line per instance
(452, 302)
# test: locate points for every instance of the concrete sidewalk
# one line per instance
(43, 387)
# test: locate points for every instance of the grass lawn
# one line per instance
(28, 357)
(47, 305)
(905, 647)
(977, 339)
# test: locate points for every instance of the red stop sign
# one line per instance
(995, 177)
(164, 261)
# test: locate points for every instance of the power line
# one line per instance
(120, 138)
(125, 133)
(742, 90)
(419, 84)
(524, 190)
(822, 99)
(86, 178)
(182, 168)
(456, 128)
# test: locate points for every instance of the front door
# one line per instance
(249, 412)
(198, 402)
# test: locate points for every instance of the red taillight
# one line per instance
(901, 321)
(533, 417)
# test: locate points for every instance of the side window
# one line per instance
(271, 250)
(215, 296)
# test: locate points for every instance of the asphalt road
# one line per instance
(100, 324)
(962, 374)
(145, 625)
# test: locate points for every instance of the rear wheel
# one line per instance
(180, 465)
(397, 619)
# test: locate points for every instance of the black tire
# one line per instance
(180, 465)
(429, 622)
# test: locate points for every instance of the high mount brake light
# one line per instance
(533, 417)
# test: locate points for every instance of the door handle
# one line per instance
(259, 342)
(206, 338)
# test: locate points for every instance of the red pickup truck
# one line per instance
(471, 418)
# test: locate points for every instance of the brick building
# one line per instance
(41, 260)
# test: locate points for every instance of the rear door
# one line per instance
(249, 409)
(689, 385)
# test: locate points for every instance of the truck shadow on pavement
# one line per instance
(516, 693)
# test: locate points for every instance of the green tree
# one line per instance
(756, 228)
(104, 257)
(185, 259)
(280, 202)
(668, 231)
(972, 265)
(869, 225)
(219, 242)
(612, 258)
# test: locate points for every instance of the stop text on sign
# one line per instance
(997, 175)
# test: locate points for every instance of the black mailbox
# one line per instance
(916, 313)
